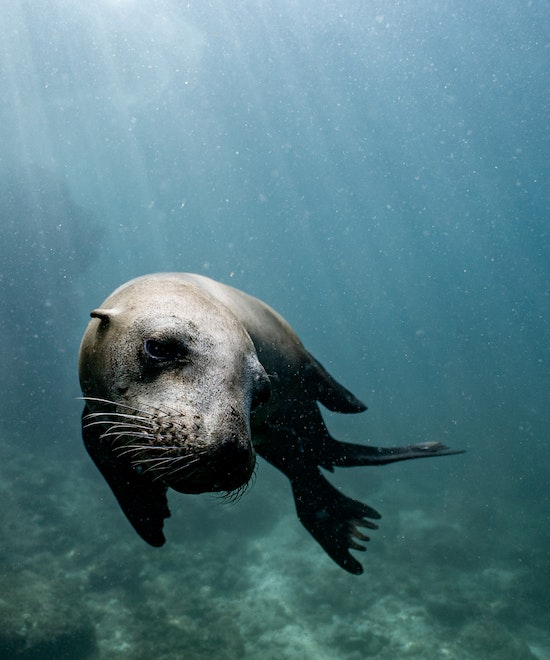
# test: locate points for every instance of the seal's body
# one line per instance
(185, 379)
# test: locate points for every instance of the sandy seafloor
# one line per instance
(245, 580)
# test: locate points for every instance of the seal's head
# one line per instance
(170, 378)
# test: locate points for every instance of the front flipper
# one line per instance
(330, 393)
(332, 518)
(142, 499)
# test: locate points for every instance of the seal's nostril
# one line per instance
(262, 393)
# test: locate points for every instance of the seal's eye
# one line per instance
(164, 350)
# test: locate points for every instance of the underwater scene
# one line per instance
(378, 173)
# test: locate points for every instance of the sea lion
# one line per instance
(185, 379)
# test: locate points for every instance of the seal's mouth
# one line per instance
(226, 465)
(174, 448)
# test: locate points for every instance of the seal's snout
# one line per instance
(193, 454)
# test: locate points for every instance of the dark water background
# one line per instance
(379, 173)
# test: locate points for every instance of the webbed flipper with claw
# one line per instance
(296, 441)
(333, 519)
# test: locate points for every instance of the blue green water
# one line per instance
(379, 173)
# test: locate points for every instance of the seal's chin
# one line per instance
(227, 483)
(225, 468)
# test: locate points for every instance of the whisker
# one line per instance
(168, 410)
(121, 425)
(172, 468)
(117, 404)
(128, 449)
(152, 447)
(111, 426)
(109, 415)
(182, 470)
(139, 434)
(163, 466)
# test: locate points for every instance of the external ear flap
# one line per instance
(142, 499)
(104, 315)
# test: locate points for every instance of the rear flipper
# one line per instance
(296, 441)
(346, 454)
(332, 518)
